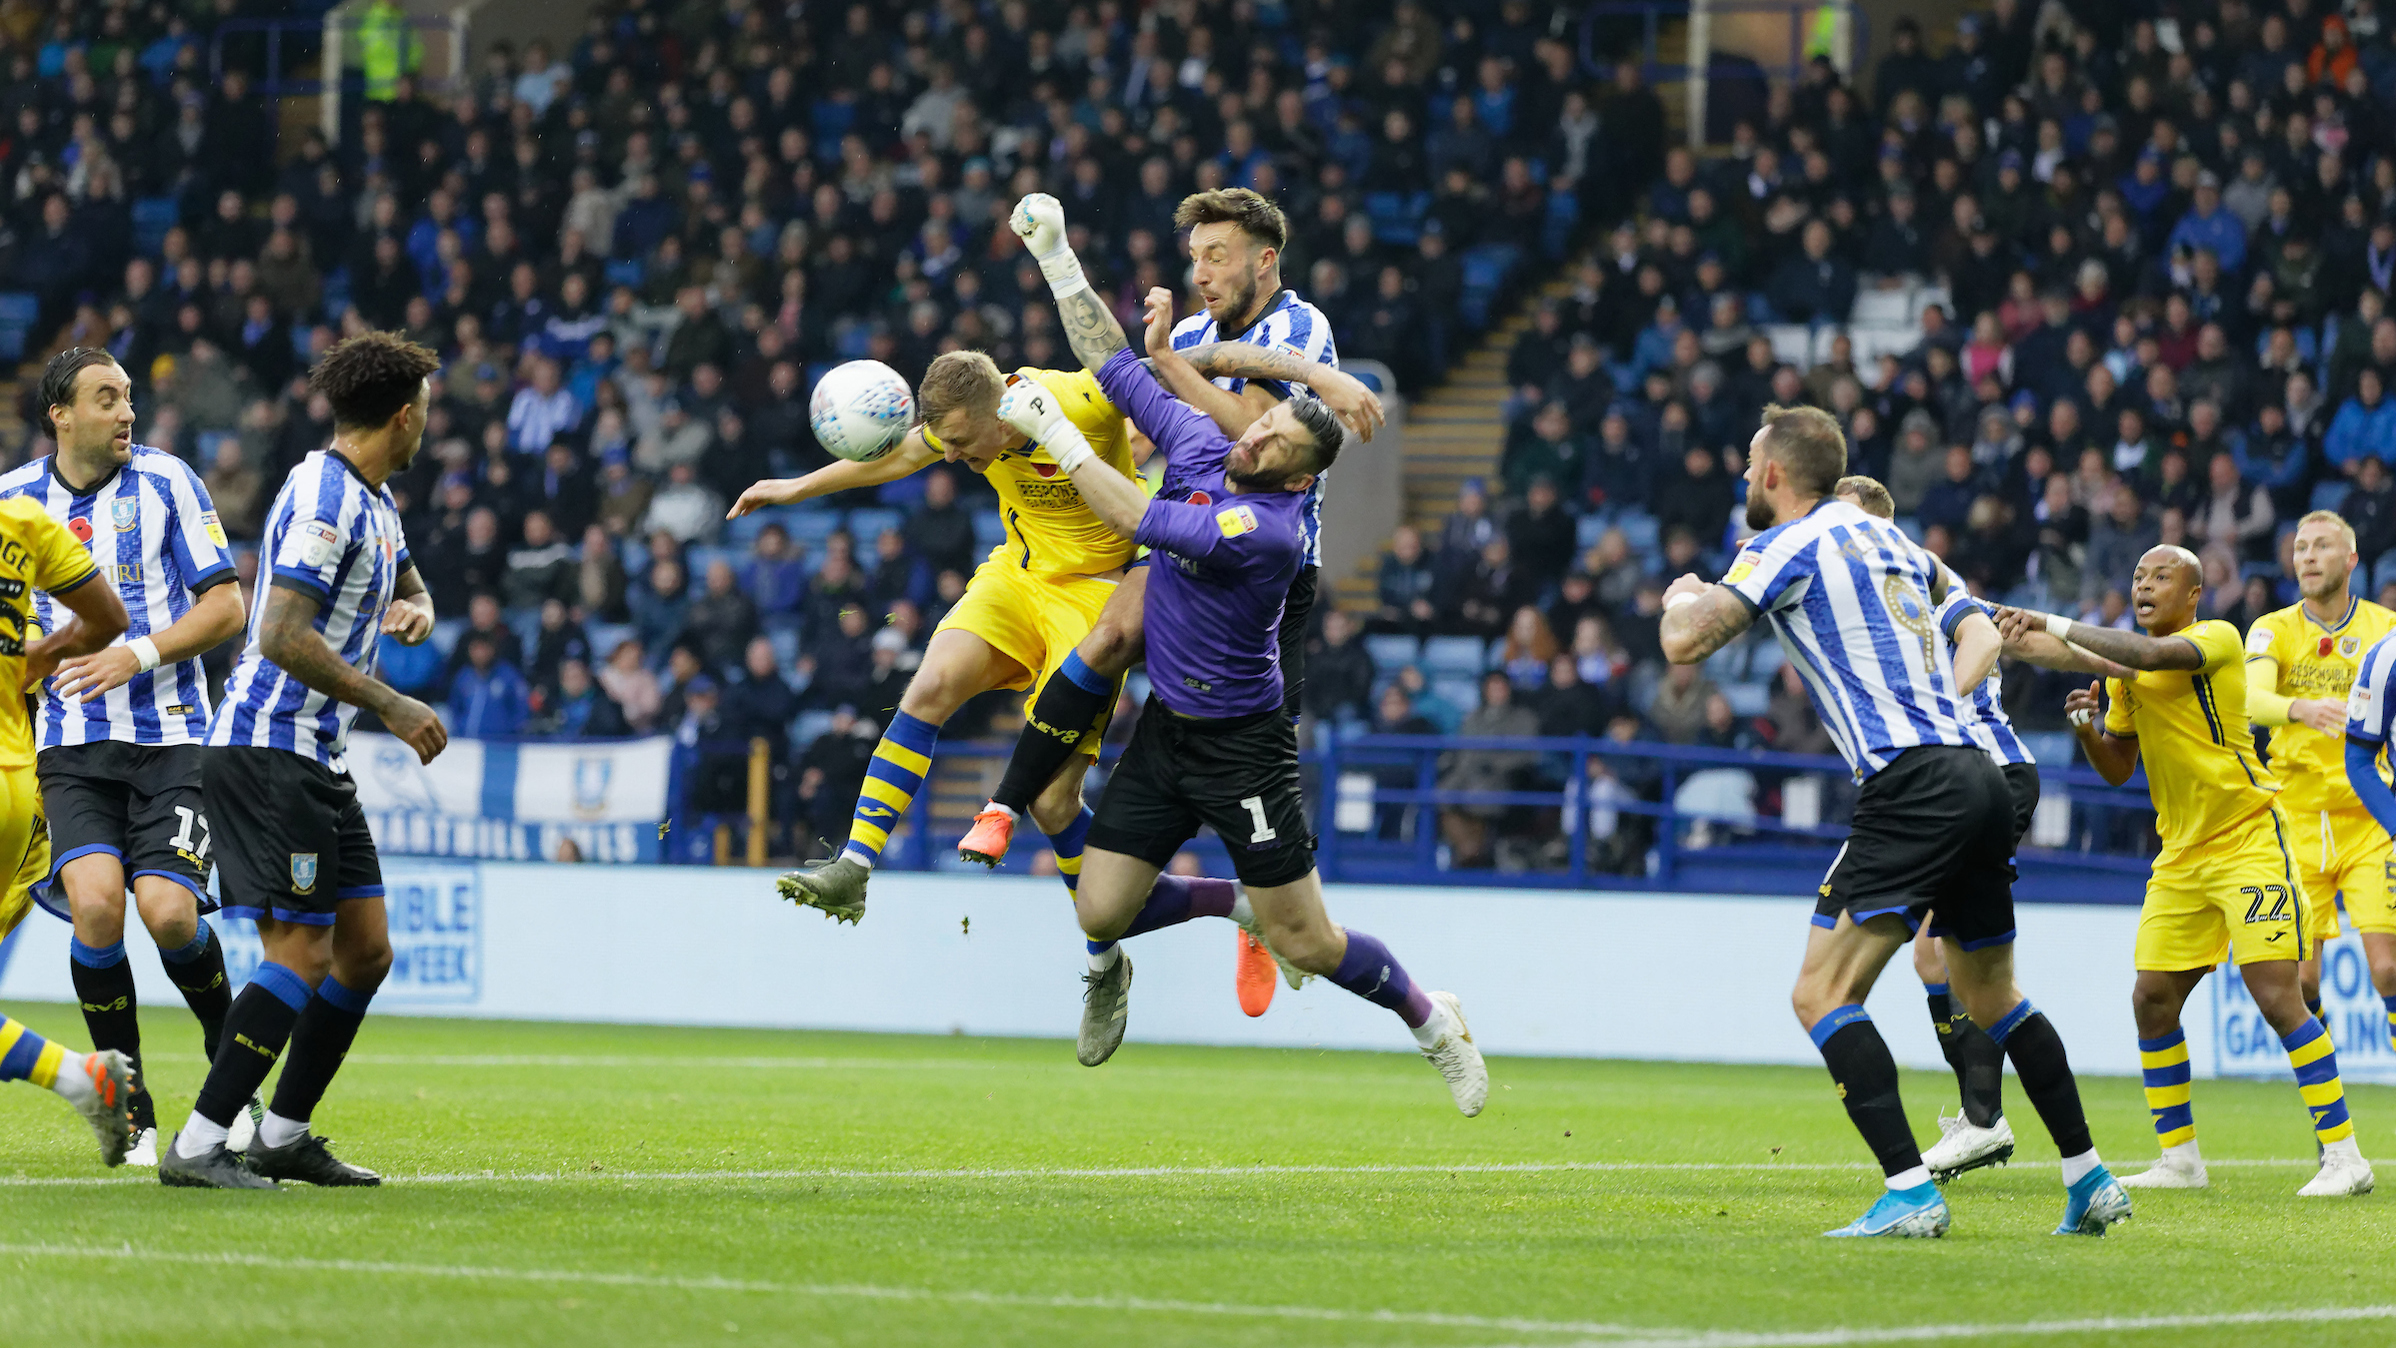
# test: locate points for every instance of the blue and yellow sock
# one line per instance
(2312, 1007)
(2390, 1003)
(26, 1056)
(2316, 1062)
(901, 761)
(1068, 847)
(2165, 1063)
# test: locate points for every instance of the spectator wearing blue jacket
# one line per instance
(2210, 226)
(2365, 426)
(489, 698)
(2275, 458)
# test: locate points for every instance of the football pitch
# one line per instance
(587, 1185)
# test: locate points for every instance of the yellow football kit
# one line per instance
(2340, 849)
(1039, 592)
(2226, 878)
(36, 553)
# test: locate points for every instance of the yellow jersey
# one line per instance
(2315, 661)
(1050, 530)
(36, 553)
(2192, 733)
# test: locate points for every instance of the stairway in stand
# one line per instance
(1457, 431)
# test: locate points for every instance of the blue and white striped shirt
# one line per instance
(152, 530)
(1991, 728)
(2369, 704)
(337, 540)
(1295, 326)
(1849, 598)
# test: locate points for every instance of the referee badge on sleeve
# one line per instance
(1236, 521)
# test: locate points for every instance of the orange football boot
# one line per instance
(987, 842)
(1254, 975)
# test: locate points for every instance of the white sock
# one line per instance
(2185, 1154)
(1909, 1179)
(1240, 911)
(1105, 959)
(198, 1136)
(2343, 1147)
(277, 1131)
(2076, 1168)
(858, 855)
(1007, 810)
(1433, 1029)
(73, 1083)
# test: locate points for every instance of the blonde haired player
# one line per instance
(2226, 880)
(2301, 663)
(37, 553)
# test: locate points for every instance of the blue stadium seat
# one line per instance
(1393, 651)
(700, 556)
(634, 553)
(1589, 530)
(1642, 531)
(2383, 571)
(807, 727)
(445, 635)
(526, 623)
(624, 271)
(812, 527)
(989, 528)
(867, 524)
(152, 218)
(1464, 694)
(19, 311)
(605, 637)
(2052, 747)
(2328, 495)
(786, 646)
(1454, 657)
(1747, 699)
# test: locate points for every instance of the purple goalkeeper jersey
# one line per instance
(1221, 562)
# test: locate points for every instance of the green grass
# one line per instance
(835, 1250)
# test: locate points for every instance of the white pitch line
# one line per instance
(1833, 1338)
(1097, 1172)
(1430, 1319)
(591, 1060)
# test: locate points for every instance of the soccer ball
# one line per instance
(861, 410)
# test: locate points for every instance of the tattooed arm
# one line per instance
(2134, 649)
(1347, 397)
(288, 636)
(1713, 617)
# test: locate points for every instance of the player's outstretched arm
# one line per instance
(1700, 619)
(2035, 647)
(2134, 649)
(288, 636)
(2114, 757)
(217, 614)
(838, 476)
(1090, 327)
(1029, 407)
(1231, 412)
(1357, 407)
(2362, 773)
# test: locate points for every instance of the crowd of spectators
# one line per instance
(635, 253)
(2140, 269)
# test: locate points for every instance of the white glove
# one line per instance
(1040, 220)
(1029, 407)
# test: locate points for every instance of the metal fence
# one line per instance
(1583, 813)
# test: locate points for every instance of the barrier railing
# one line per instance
(1579, 813)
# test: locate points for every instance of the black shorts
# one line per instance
(1237, 776)
(139, 803)
(295, 843)
(2021, 782)
(1934, 829)
(1295, 612)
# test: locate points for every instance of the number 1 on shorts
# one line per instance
(1264, 832)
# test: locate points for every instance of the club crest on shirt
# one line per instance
(124, 512)
(2350, 646)
(303, 872)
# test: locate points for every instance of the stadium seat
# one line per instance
(989, 528)
(605, 637)
(1588, 530)
(1455, 657)
(1463, 694)
(1641, 530)
(867, 524)
(807, 727)
(1393, 651)
(813, 526)
(624, 271)
(19, 311)
(1888, 308)
(1717, 793)
(152, 218)
(634, 553)
(2328, 495)
(700, 556)
(2052, 747)
(786, 645)
(445, 635)
(1747, 699)
(2383, 572)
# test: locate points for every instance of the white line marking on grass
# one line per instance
(1432, 1319)
(1093, 1172)
(1831, 1338)
(593, 1060)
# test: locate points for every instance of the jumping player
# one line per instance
(39, 558)
(1980, 1136)
(1253, 340)
(120, 730)
(1214, 745)
(294, 852)
(2227, 875)
(1856, 607)
(2300, 666)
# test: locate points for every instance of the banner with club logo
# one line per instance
(504, 800)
